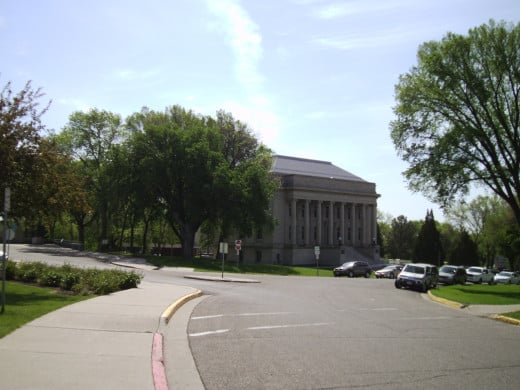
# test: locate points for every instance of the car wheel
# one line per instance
(397, 284)
(367, 274)
(350, 274)
(391, 276)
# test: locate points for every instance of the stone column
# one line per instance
(374, 222)
(331, 224)
(294, 212)
(319, 222)
(342, 221)
(364, 224)
(353, 227)
(307, 222)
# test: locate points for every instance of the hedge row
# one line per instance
(79, 281)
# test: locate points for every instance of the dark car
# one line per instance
(452, 274)
(353, 268)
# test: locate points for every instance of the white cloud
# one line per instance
(361, 40)
(341, 9)
(243, 37)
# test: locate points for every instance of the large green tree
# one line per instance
(202, 170)
(458, 115)
(89, 138)
(180, 154)
(20, 143)
(402, 238)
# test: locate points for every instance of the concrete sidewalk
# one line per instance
(108, 342)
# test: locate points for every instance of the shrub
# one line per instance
(29, 272)
(79, 281)
(50, 277)
(10, 270)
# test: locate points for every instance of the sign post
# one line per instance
(223, 248)
(317, 254)
(238, 248)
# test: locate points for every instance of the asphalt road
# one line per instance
(341, 333)
(330, 333)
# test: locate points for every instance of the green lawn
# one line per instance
(480, 294)
(24, 303)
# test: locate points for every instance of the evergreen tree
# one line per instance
(465, 252)
(428, 248)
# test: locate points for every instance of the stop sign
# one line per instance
(238, 244)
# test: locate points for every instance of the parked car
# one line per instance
(353, 268)
(452, 274)
(480, 275)
(418, 276)
(507, 277)
(390, 271)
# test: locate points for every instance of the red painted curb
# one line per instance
(158, 370)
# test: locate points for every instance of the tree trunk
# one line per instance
(187, 240)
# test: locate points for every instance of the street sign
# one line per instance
(238, 245)
(316, 250)
(223, 247)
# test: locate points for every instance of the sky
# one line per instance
(311, 78)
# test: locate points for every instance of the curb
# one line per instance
(170, 311)
(508, 320)
(158, 370)
(455, 305)
(217, 279)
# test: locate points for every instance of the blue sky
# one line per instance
(312, 78)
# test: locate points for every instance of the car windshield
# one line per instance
(474, 269)
(414, 269)
(388, 268)
(348, 264)
(505, 273)
(448, 270)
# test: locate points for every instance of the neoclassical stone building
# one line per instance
(318, 205)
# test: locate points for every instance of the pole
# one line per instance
(7, 206)
(222, 265)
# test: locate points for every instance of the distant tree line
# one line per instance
(475, 233)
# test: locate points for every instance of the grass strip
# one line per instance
(483, 294)
(24, 303)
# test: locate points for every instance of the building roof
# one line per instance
(285, 165)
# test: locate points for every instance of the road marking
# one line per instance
(219, 331)
(242, 315)
(265, 314)
(207, 317)
(425, 318)
(288, 326)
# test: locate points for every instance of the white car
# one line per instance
(480, 275)
(507, 277)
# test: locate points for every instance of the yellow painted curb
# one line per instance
(508, 320)
(170, 311)
(456, 305)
